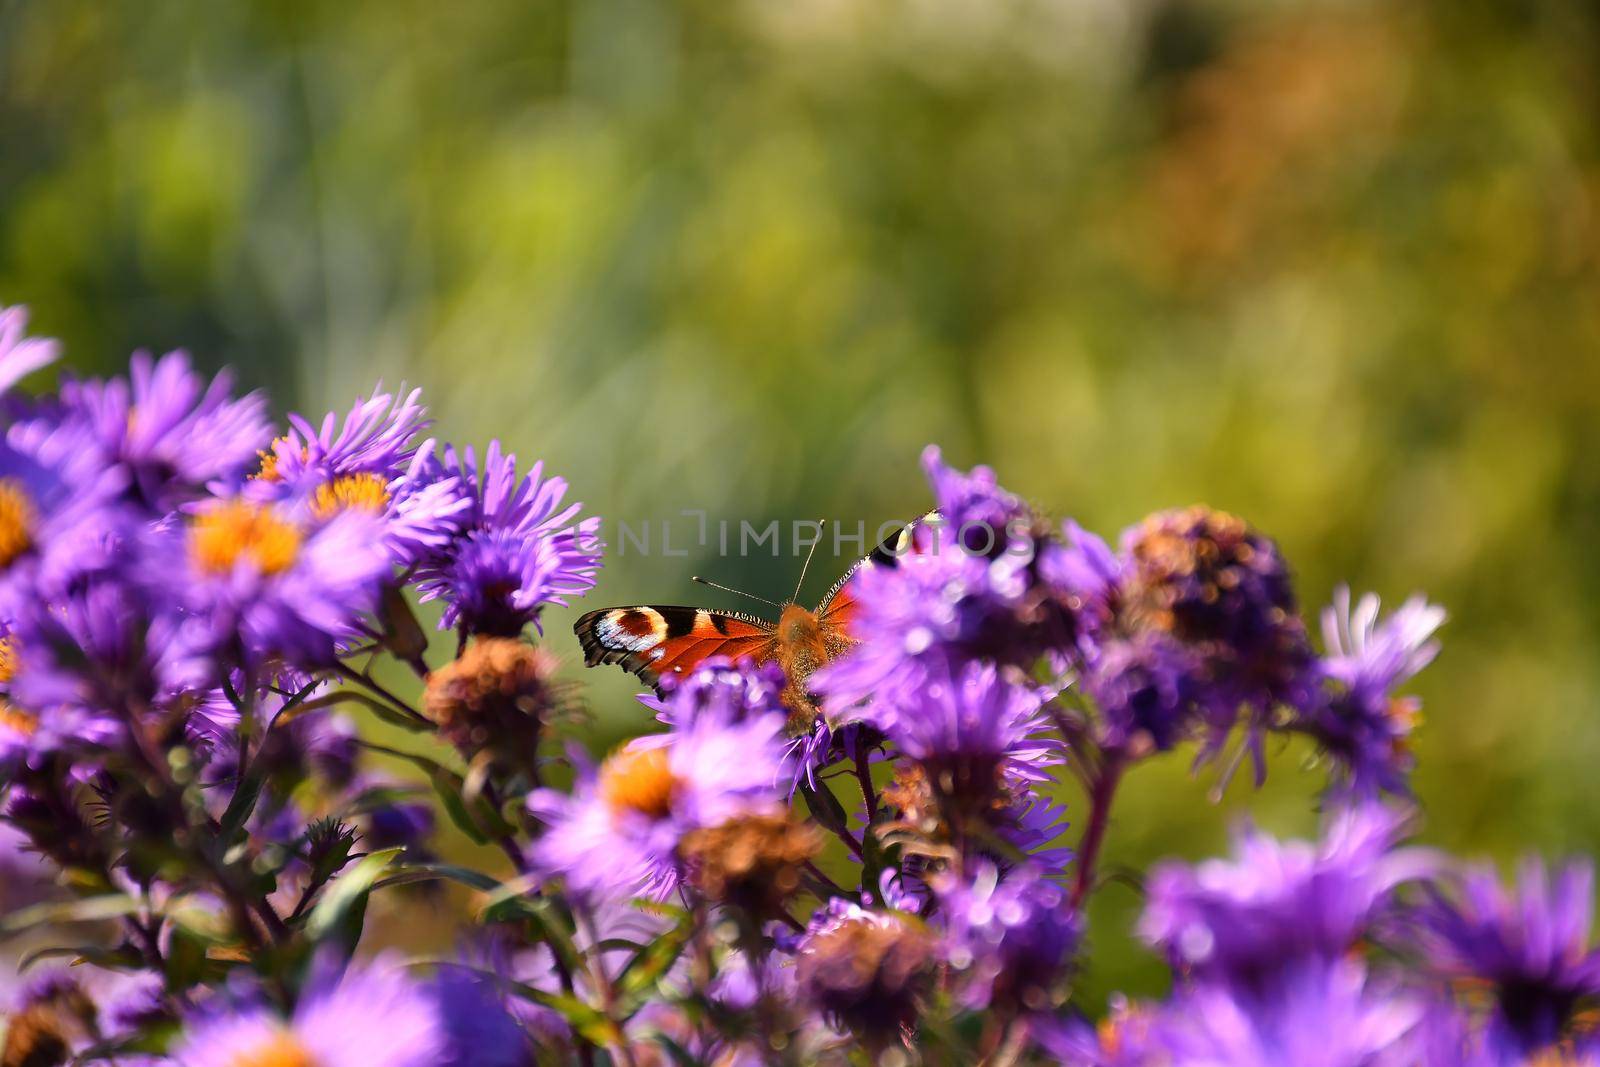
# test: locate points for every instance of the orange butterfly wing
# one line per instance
(657, 641)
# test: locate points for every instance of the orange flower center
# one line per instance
(350, 492)
(279, 1050)
(268, 471)
(639, 780)
(16, 521)
(238, 530)
(8, 659)
(16, 720)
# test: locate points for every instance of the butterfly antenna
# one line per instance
(730, 589)
(807, 565)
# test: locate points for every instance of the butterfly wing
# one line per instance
(838, 609)
(656, 641)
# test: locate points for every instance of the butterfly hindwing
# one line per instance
(654, 641)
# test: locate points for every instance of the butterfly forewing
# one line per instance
(654, 641)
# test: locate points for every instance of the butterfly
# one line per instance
(659, 641)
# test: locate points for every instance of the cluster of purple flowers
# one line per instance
(208, 631)
(188, 608)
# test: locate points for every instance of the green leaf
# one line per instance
(679, 1054)
(124, 958)
(402, 633)
(152, 1040)
(639, 977)
(588, 1021)
(186, 961)
(88, 909)
(825, 808)
(348, 893)
(412, 874)
(243, 802)
(676, 912)
(513, 904)
(447, 785)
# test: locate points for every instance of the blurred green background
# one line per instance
(1332, 266)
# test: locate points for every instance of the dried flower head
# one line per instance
(496, 697)
(1206, 576)
(752, 861)
(1221, 593)
(867, 971)
(53, 1018)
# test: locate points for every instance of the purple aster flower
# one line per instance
(727, 691)
(82, 669)
(518, 549)
(1245, 920)
(269, 587)
(977, 743)
(1030, 823)
(721, 689)
(169, 431)
(618, 832)
(969, 728)
(1087, 569)
(906, 626)
(478, 1030)
(1126, 1037)
(975, 584)
(933, 612)
(398, 823)
(1325, 1013)
(1358, 721)
(1531, 946)
(55, 520)
(983, 516)
(1145, 688)
(47, 706)
(1010, 939)
(371, 462)
(86, 661)
(1450, 1036)
(372, 1016)
(21, 355)
(378, 435)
